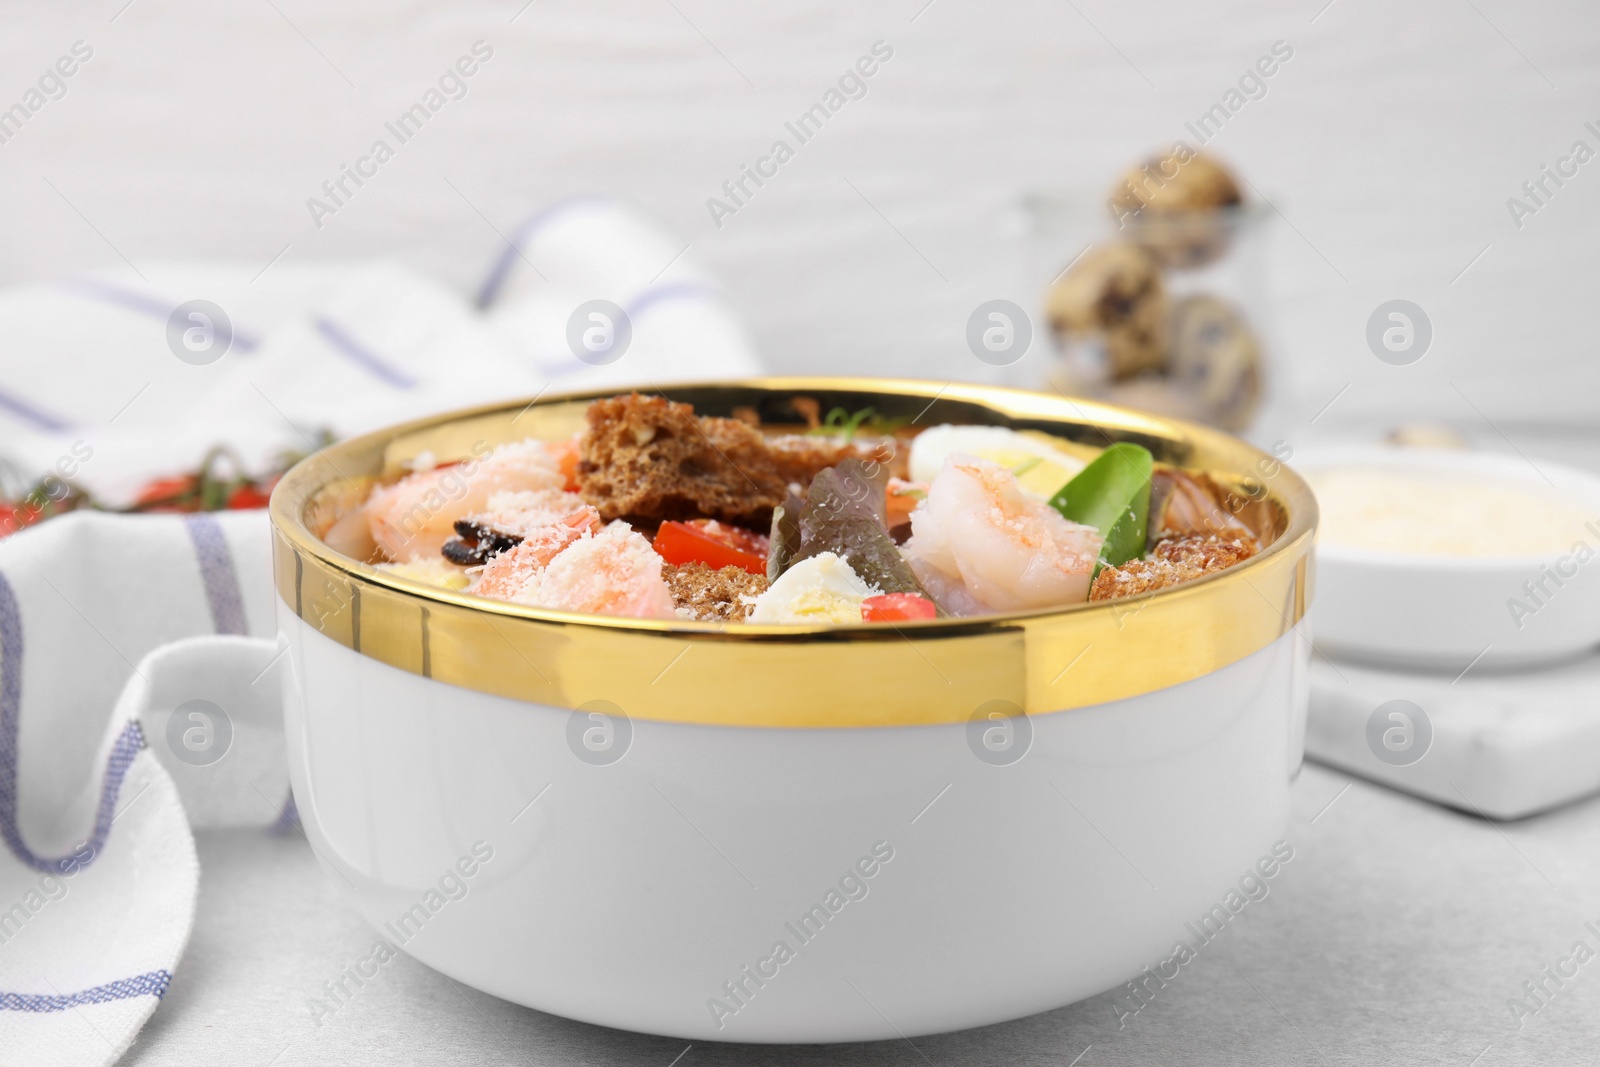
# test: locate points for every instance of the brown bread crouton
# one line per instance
(646, 457)
(712, 595)
(801, 456)
(1176, 560)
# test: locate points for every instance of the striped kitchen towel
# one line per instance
(109, 378)
(137, 683)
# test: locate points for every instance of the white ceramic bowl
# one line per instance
(628, 842)
(1446, 612)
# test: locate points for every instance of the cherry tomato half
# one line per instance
(166, 490)
(897, 607)
(248, 496)
(682, 542)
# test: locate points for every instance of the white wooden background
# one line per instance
(1390, 143)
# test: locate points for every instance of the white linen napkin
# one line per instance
(138, 664)
(86, 365)
(98, 877)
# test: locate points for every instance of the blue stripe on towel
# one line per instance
(153, 984)
(288, 818)
(27, 412)
(563, 365)
(123, 752)
(670, 291)
(156, 307)
(489, 292)
(362, 356)
(218, 573)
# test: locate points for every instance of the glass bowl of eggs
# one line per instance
(1154, 293)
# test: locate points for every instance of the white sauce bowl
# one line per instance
(1446, 612)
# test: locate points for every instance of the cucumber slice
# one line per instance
(1112, 494)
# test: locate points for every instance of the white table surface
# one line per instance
(1395, 936)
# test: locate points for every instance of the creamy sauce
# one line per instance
(1439, 512)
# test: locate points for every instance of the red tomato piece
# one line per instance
(682, 542)
(897, 607)
(734, 536)
(166, 490)
(248, 496)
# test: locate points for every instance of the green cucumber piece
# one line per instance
(1112, 494)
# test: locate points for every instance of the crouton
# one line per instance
(647, 457)
(712, 595)
(1175, 560)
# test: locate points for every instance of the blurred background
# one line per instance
(1383, 155)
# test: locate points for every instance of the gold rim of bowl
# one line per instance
(941, 671)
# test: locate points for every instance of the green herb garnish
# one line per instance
(840, 422)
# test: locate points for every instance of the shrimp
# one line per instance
(978, 534)
(613, 572)
(508, 574)
(413, 518)
(567, 455)
(520, 514)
